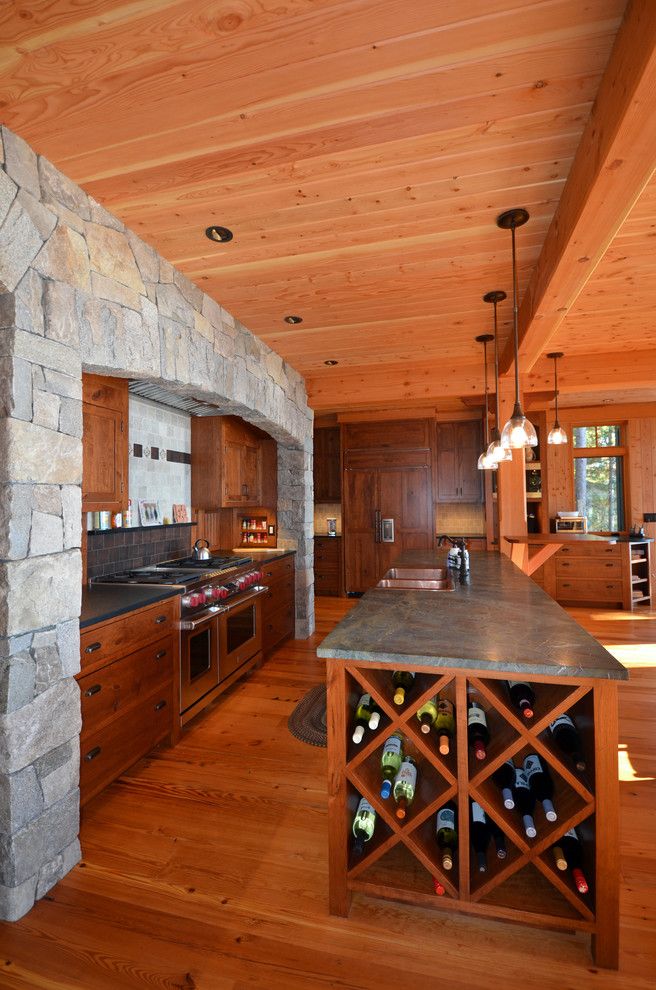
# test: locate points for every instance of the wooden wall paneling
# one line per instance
(406, 496)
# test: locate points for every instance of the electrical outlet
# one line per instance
(649, 517)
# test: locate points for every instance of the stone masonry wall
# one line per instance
(78, 290)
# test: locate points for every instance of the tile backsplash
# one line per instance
(160, 456)
(460, 519)
(124, 549)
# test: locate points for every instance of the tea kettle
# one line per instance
(201, 553)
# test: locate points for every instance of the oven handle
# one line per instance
(255, 592)
(188, 625)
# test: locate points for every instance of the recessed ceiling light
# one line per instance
(330, 363)
(219, 234)
(293, 319)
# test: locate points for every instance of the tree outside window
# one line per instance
(599, 476)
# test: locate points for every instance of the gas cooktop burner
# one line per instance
(212, 563)
(148, 576)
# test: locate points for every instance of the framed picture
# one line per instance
(180, 514)
(149, 513)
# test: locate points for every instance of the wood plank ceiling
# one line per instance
(360, 151)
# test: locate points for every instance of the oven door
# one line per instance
(241, 632)
(199, 658)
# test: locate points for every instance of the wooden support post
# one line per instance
(339, 898)
(605, 943)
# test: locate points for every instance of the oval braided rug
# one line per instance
(308, 720)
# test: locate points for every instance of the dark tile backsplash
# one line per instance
(122, 550)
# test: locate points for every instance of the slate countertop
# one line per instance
(264, 553)
(501, 620)
(105, 601)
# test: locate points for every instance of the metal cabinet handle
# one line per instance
(610, 586)
(160, 619)
(92, 647)
(160, 705)
(609, 565)
(94, 689)
(93, 753)
(567, 586)
(565, 564)
(162, 653)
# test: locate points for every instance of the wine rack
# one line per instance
(402, 858)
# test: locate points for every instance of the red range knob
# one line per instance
(194, 600)
(216, 593)
(223, 592)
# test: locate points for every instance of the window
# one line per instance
(599, 476)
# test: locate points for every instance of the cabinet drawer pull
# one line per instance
(610, 565)
(567, 586)
(160, 705)
(565, 564)
(93, 753)
(162, 653)
(610, 586)
(94, 689)
(92, 647)
(160, 619)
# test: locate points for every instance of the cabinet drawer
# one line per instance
(326, 583)
(326, 549)
(106, 753)
(589, 591)
(277, 626)
(579, 568)
(280, 594)
(591, 550)
(124, 683)
(272, 570)
(104, 642)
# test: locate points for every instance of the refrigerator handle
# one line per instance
(377, 532)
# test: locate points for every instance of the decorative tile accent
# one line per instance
(137, 450)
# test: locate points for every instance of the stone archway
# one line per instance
(78, 291)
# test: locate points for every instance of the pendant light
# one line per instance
(496, 451)
(557, 436)
(485, 462)
(518, 432)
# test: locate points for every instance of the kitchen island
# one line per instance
(460, 643)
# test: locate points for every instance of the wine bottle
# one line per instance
(524, 802)
(447, 833)
(568, 853)
(363, 712)
(427, 715)
(477, 730)
(405, 783)
(566, 736)
(479, 833)
(541, 784)
(445, 725)
(522, 696)
(402, 681)
(440, 890)
(374, 718)
(504, 778)
(499, 840)
(363, 825)
(390, 762)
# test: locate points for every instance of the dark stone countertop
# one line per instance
(104, 601)
(501, 620)
(264, 553)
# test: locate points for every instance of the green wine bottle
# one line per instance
(427, 715)
(447, 834)
(390, 762)
(364, 824)
(404, 786)
(445, 724)
(402, 681)
(363, 713)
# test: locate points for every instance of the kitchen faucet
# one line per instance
(462, 556)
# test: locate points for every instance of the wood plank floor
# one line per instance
(205, 867)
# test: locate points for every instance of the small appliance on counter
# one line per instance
(571, 522)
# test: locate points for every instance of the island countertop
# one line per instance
(501, 620)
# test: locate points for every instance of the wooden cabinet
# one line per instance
(459, 445)
(128, 690)
(278, 604)
(402, 860)
(327, 472)
(228, 462)
(104, 444)
(615, 574)
(328, 565)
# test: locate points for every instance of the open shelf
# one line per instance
(398, 873)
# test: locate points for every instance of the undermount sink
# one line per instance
(418, 579)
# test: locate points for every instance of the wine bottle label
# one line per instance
(562, 720)
(478, 815)
(365, 701)
(520, 779)
(446, 818)
(445, 707)
(532, 766)
(364, 808)
(392, 746)
(476, 716)
(407, 775)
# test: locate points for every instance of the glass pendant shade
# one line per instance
(518, 432)
(557, 436)
(497, 451)
(486, 462)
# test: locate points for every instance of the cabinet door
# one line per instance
(232, 472)
(102, 459)
(405, 495)
(468, 448)
(447, 479)
(327, 482)
(360, 496)
(250, 474)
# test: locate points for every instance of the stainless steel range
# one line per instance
(220, 619)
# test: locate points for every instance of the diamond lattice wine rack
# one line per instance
(402, 860)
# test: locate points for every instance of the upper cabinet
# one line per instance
(458, 449)
(104, 444)
(327, 476)
(232, 464)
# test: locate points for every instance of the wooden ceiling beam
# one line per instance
(612, 166)
(590, 372)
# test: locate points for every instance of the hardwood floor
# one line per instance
(205, 866)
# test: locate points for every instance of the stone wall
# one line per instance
(78, 290)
